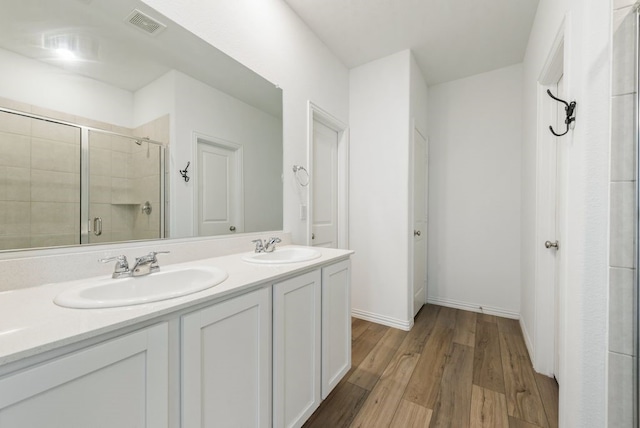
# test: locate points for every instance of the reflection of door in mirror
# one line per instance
(39, 182)
(220, 198)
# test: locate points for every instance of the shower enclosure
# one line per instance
(62, 183)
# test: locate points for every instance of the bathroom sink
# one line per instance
(169, 283)
(283, 255)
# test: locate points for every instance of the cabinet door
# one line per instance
(296, 341)
(226, 363)
(119, 383)
(336, 324)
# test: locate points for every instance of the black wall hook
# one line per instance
(569, 110)
(183, 173)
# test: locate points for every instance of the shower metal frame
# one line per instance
(636, 285)
(85, 172)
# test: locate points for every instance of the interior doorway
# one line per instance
(219, 199)
(329, 185)
(551, 216)
(420, 186)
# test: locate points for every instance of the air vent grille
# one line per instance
(145, 22)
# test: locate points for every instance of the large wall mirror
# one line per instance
(117, 124)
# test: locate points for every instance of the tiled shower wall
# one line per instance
(622, 216)
(40, 179)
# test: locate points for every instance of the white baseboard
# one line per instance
(474, 307)
(527, 341)
(382, 319)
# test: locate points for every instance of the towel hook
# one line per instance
(569, 110)
(183, 172)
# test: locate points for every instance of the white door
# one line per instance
(560, 216)
(325, 186)
(219, 190)
(420, 163)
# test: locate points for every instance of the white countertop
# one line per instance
(30, 323)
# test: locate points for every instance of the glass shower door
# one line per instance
(124, 190)
(39, 182)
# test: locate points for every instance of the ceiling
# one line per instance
(121, 55)
(450, 39)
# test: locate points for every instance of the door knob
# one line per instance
(416, 233)
(550, 244)
(232, 228)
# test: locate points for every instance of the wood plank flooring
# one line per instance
(453, 369)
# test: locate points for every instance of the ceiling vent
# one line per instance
(144, 22)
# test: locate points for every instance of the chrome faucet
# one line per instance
(144, 265)
(270, 245)
(121, 268)
(147, 264)
(259, 245)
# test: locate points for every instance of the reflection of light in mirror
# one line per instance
(66, 54)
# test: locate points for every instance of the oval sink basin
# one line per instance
(167, 284)
(283, 255)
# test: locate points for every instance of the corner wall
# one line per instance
(379, 196)
(475, 128)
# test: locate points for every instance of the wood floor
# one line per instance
(453, 369)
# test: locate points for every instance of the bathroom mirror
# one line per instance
(118, 124)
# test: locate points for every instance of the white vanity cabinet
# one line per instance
(336, 324)
(311, 340)
(122, 382)
(296, 345)
(226, 363)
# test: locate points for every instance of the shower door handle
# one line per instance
(97, 226)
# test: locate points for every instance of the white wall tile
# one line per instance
(15, 124)
(15, 218)
(53, 186)
(623, 74)
(54, 218)
(621, 309)
(99, 140)
(55, 131)
(14, 242)
(51, 155)
(15, 184)
(622, 249)
(620, 390)
(120, 164)
(15, 150)
(100, 189)
(100, 162)
(623, 138)
(39, 241)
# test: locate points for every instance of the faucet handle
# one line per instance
(122, 265)
(259, 245)
(121, 260)
(270, 246)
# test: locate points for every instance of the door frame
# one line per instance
(239, 202)
(545, 324)
(314, 112)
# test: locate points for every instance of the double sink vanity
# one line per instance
(240, 340)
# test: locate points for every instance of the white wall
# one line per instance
(474, 192)
(268, 37)
(379, 188)
(56, 89)
(587, 80)
(211, 113)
